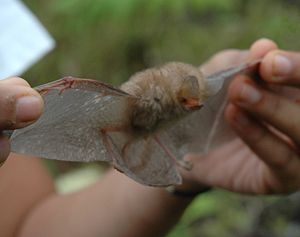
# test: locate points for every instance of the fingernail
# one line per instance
(28, 108)
(281, 67)
(250, 95)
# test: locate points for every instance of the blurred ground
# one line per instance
(109, 40)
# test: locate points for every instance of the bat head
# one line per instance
(165, 93)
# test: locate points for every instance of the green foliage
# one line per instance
(219, 213)
(109, 40)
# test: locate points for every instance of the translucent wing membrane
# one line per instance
(216, 80)
(70, 126)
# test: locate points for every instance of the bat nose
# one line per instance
(196, 107)
(192, 103)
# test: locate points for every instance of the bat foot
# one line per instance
(187, 165)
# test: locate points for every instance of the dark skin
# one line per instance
(115, 205)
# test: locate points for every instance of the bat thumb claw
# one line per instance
(187, 165)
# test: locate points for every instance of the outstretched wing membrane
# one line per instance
(70, 128)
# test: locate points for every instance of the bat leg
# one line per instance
(125, 148)
(143, 161)
(60, 85)
(181, 163)
(144, 157)
(108, 143)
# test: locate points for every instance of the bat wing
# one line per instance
(206, 128)
(70, 128)
(77, 111)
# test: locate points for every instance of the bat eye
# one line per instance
(183, 101)
(156, 99)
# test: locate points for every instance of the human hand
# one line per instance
(268, 122)
(267, 159)
(20, 105)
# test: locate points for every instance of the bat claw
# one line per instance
(187, 165)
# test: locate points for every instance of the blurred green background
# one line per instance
(109, 40)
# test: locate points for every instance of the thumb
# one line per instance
(20, 105)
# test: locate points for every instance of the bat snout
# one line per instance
(191, 103)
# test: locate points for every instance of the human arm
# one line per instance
(114, 206)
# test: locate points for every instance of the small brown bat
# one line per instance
(143, 129)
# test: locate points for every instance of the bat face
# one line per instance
(142, 129)
(189, 94)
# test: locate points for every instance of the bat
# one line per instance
(143, 128)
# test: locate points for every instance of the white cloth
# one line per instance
(23, 40)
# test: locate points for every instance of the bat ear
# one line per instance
(189, 87)
(189, 93)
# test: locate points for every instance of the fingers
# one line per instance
(261, 140)
(283, 164)
(227, 58)
(20, 105)
(264, 107)
(267, 106)
(277, 66)
(281, 67)
(261, 47)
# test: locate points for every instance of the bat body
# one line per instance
(143, 129)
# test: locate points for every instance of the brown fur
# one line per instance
(159, 90)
